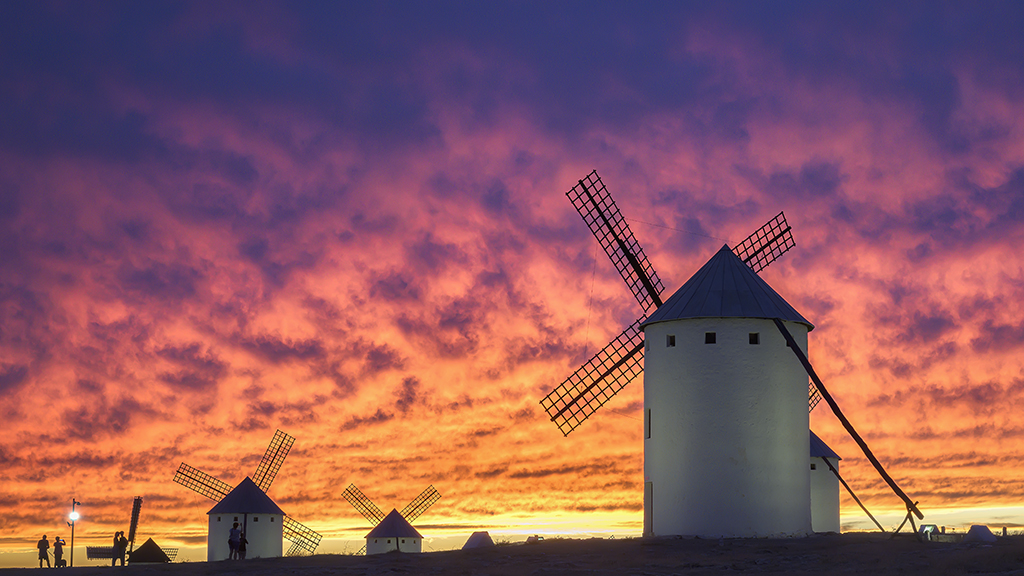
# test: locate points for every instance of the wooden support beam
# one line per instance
(911, 506)
(850, 490)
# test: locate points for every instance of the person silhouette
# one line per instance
(233, 537)
(241, 546)
(58, 552)
(122, 547)
(44, 551)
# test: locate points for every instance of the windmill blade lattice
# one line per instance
(766, 244)
(136, 509)
(201, 482)
(304, 539)
(274, 457)
(363, 505)
(592, 200)
(420, 504)
(597, 381)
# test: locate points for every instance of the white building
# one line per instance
(824, 487)
(394, 533)
(725, 405)
(257, 516)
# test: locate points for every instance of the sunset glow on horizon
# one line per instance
(348, 222)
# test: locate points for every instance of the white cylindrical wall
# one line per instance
(384, 545)
(263, 531)
(728, 429)
(824, 496)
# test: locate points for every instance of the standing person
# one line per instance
(241, 546)
(58, 552)
(44, 551)
(113, 556)
(233, 537)
(122, 547)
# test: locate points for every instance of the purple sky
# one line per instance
(347, 220)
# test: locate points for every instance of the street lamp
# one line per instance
(74, 517)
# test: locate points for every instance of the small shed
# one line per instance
(259, 518)
(824, 487)
(149, 553)
(478, 540)
(394, 533)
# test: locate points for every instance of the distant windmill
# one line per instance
(108, 552)
(725, 449)
(404, 519)
(304, 540)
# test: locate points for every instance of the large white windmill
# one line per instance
(726, 434)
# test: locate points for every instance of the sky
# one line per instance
(348, 221)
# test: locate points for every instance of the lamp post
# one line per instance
(74, 517)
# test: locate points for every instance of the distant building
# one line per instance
(258, 517)
(394, 533)
(824, 487)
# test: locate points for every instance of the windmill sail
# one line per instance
(136, 509)
(363, 505)
(766, 243)
(420, 504)
(592, 200)
(597, 381)
(273, 458)
(201, 482)
(303, 539)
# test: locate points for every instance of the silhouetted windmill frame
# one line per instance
(375, 515)
(619, 362)
(108, 552)
(303, 539)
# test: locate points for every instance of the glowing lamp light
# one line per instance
(74, 516)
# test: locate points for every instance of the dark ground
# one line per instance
(858, 553)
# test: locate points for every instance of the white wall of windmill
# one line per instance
(392, 543)
(727, 452)
(264, 533)
(824, 496)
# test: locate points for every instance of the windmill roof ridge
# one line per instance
(394, 525)
(246, 498)
(725, 287)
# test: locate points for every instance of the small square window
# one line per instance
(271, 518)
(218, 518)
(709, 337)
(403, 540)
(670, 340)
(814, 466)
(389, 540)
(255, 518)
(755, 337)
(236, 518)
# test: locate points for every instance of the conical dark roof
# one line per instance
(246, 498)
(821, 450)
(725, 287)
(394, 525)
(148, 552)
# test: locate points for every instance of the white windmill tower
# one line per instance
(726, 431)
(304, 539)
(394, 531)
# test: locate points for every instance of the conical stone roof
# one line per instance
(394, 525)
(725, 287)
(246, 498)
